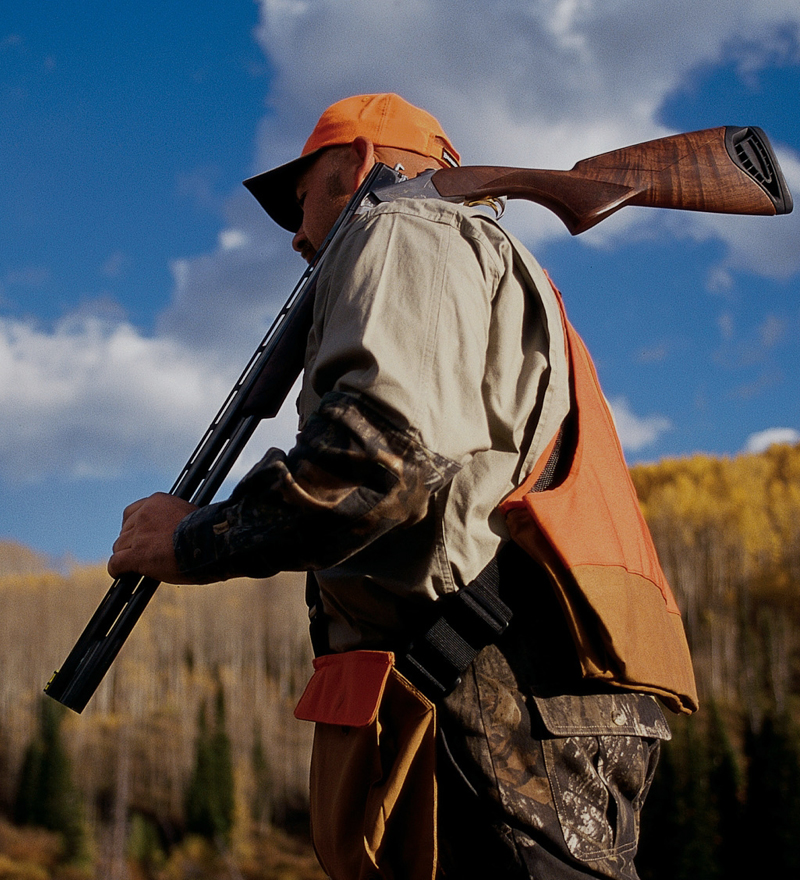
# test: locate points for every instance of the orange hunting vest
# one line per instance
(589, 533)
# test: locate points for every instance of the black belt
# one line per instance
(468, 620)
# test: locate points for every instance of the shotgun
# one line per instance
(724, 170)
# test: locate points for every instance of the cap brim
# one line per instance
(276, 191)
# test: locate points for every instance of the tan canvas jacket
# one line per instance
(422, 310)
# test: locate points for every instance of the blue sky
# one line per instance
(137, 274)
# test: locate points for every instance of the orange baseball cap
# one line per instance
(387, 120)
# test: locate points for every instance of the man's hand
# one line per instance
(144, 545)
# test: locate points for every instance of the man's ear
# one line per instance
(362, 155)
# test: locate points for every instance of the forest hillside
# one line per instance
(188, 761)
(726, 799)
(235, 652)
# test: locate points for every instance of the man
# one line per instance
(436, 377)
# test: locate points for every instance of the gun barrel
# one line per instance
(258, 393)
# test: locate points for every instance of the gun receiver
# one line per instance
(728, 170)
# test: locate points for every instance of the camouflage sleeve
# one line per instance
(352, 477)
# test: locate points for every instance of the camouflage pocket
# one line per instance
(600, 757)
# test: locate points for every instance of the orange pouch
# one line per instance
(346, 689)
(373, 780)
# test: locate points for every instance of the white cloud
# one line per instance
(115, 265)
(636, 432)
(33, 277)
(762, 440)
(92, 398)
(232, 239)
(563, 63)
(727, 327)
(224, 300)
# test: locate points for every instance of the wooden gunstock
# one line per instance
(722, 170)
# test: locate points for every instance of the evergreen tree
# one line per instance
(223, 764)
(46, 796)
(27, 803)
(144, 843)
(700, 820)
(692, 814)
(6, 794)
(210, 795)
(725, 784)
(198, 810)
(772, 812)
(661, 829)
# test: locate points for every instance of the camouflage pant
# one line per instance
(549, 787)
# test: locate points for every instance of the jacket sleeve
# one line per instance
(351, 477)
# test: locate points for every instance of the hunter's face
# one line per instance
(322, 195)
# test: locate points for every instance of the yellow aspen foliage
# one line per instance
(747, 507)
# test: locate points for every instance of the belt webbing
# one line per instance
(469, 620)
